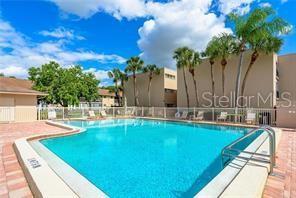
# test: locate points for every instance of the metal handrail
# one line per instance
(271, 134)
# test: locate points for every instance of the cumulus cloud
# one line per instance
(176, 24)
(100, 74)
(239, 6)
(18, 53)
(265, 4)
(168, 25)
(117, 8)
(60, 33)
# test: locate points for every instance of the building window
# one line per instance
(169, 91)
(170, 76)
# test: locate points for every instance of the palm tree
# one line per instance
(211, 53)
(123, 78)
(182, 57)
(115, 74)
(194, 62)
(152, 70)
(267, 45)
(134, 65)
(226, 45)
(259, 24)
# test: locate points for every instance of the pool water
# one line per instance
(145, 158)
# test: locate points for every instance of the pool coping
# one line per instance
(54, 185)
(216, 187)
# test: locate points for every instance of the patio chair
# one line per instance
(52, 114)
(199, 116)
(130, 112)
(251, 118)
(91, 114)
(103, 113)
(177, 115)
(184, 115)
(222, 116)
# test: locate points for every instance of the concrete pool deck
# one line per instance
(13, 182)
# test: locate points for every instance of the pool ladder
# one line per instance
(258, 157)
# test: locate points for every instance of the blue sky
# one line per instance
(102, 34)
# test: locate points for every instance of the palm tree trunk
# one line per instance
(254, 57)
(213, 84)
(123, 101)
(117, 93)
(195, 89)
(238, 77)
(135, 94)
(186, 88)
(149, 95)
(223, 79)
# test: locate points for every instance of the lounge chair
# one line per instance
(184, 115)
(91, 114)
(103, 113)
(251, 118)
(177, 115)
(52, 114)
(222, 116)
(199, 116)
(130, 112)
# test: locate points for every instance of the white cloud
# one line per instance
(18, 53)
(169, 24)
(117, 8)
(239, 6)
(60, 33)
(100, 74)
(265, 4)
(177, 24)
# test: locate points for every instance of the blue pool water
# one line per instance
(142, 158)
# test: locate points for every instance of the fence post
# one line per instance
(82, 110)
(39, 113)
(113, 111)
(164, 113)
(152, 111)
(142, 111)
(213, 114)
(63, 111)
(193, 112)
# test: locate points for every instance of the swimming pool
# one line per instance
(146, 158)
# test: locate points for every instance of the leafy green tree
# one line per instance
(134, 65)
(195, 61)
(227, 46)
(211, 52)
(262, 23)
(152, 70)
(182, 56)
(115, 74)
(89, 87)
(1, 75)
(65, 86)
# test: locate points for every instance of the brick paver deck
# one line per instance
(12, 180)
(283, 184)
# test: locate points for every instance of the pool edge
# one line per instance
(54, 185)
(39, 189)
